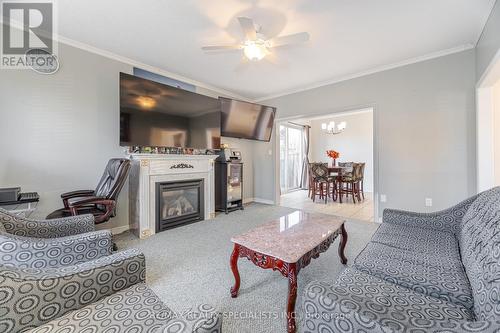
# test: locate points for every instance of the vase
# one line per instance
(334, 162)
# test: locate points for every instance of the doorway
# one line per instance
(355, 143)
(291, 157)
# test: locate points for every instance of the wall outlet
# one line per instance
(383, 198)
(428, 202)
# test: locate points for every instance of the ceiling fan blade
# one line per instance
(221, 47)
(300, 37)
(248, 28)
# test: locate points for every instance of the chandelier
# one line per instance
(332, 128)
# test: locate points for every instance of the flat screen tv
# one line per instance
(157, 115)
(246, 120)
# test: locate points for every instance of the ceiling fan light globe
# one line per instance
(254, 51)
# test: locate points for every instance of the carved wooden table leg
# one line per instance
(343, 242)
(234, 267)
(292, 296)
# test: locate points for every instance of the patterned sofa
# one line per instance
(437, 272)
(61, 275)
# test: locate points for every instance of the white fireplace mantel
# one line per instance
(149, 169)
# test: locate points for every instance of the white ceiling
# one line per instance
(347, 37)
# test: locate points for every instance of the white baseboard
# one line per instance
(258, 200)
(119, 230)
(263, 201)
(248, 200)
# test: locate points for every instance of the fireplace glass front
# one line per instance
(179, 202)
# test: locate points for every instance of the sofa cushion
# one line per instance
(359, 302)
(417, 239)
(135, 309)
(479, 239)
(434, 274)
(136, 306)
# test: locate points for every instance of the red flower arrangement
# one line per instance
(332, 154)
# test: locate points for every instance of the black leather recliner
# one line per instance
(100, 202)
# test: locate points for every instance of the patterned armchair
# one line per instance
(437, 272)
(28, 243)
(35, 296)
(57, 274)
(62, 227)
(49, 267)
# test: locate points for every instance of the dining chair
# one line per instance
(347, 167)
(320, 181)
(350, 182)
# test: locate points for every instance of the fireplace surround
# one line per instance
(148, 171)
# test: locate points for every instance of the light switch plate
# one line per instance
(383, 198)
(428, 202)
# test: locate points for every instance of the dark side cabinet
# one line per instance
(228, 186)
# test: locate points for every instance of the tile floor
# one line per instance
(360, 211)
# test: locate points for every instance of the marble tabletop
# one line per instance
(290, 237)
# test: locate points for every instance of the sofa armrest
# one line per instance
(69, 288)
(60, 227)
(203, 319)
(25, 252)
(447, 220)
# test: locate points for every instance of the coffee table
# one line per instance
(287, 245)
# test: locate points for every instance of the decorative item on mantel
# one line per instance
(333, 155)
(168, 150)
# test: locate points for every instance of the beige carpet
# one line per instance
(190, 265)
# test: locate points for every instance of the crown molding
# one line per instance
(157, 70)
(491, 73)
(379, 69)
(135, 63)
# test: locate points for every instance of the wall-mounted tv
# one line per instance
(246, 120)
(157, 115)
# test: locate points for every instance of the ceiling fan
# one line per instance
(256, 46)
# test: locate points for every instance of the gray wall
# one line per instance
(489, 43)
(424, 128)
(246, 147)
(58, 131)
